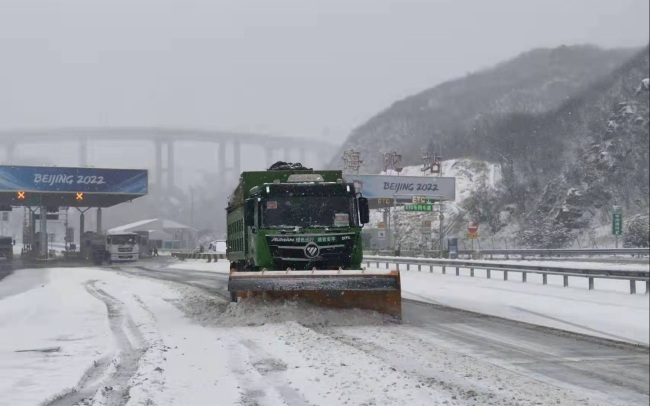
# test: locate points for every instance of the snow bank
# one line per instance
(256, 311)
(49, 336)
(609, 311)
(608, 314)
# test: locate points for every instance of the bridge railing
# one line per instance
(585, 272)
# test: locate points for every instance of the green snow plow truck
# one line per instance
(294, 232)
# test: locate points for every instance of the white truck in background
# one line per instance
(118, 247)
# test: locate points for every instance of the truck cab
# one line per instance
(123, 247)
(119, 247)
(301, 220)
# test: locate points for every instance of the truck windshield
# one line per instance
(122, 239)
(309, 211)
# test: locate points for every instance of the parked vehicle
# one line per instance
(7, 248)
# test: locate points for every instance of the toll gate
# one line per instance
(44, 190)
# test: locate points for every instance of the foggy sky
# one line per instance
(287, 67)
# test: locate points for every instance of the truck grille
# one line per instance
(323, 251)
(125, 249)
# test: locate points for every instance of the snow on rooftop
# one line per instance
(129, 226)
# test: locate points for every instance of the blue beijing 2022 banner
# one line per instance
(87, 180)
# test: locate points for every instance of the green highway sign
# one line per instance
(617, 223)
(418, 207)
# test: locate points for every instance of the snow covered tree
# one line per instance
(637, 234)
(540, 231)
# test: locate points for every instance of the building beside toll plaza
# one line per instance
(164, 234)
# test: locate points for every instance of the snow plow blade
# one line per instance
(371, 290)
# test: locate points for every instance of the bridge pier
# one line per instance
(10, 151)
(270, 152)
(236, 166)
(170, 165)
(164, 171)
(317, 160)
(158, 162)
(302, 153)
(83, 152)
(221, 163)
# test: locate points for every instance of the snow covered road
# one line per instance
(93, 336)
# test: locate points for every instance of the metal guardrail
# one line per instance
(211, 257)
(524, 252)
(590, 273)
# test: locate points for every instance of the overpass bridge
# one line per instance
(164, 140)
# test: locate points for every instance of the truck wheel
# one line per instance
(233, 297)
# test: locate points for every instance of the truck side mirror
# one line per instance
(364, 210)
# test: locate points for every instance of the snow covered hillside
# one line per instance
(570, 146)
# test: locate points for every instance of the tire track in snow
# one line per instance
(443, 371)
(600, 381)
(113, 390)
(116, 389)
(266, 383)
(85, 388)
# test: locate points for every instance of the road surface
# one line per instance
(603, 369)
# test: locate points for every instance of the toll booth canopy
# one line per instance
(40, 186)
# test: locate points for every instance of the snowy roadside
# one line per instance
(51, 332)
(148, 352)
(607, 312)
(129, 340)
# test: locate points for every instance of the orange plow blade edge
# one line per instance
(376, 290)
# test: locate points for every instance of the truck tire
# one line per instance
(233, 297)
